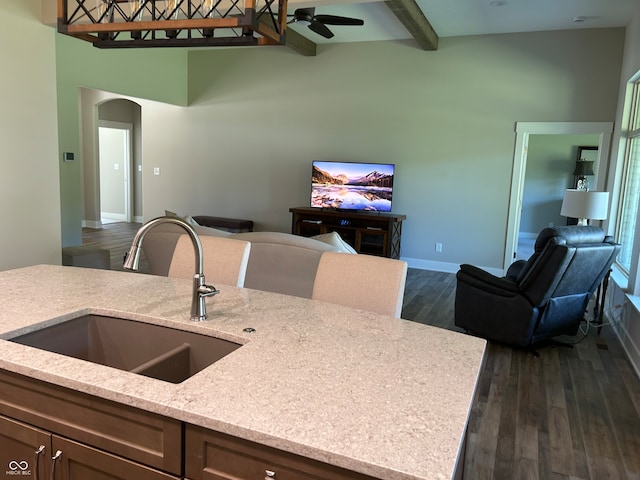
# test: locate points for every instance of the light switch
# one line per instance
(116, 166)
(156, 170)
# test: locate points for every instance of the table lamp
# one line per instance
(583, 169)
(585, 205)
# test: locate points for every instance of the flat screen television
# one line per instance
(352, 185)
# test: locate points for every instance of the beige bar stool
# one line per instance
(366, 282)
(224, 259)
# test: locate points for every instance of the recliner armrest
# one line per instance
(486, 281)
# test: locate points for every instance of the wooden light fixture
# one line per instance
(174, 23)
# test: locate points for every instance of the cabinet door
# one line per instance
(24, 450)
(141, 436)
(75, 461)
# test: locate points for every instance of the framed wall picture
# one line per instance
(589, 154)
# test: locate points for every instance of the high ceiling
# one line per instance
(468, 17)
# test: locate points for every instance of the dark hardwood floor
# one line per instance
(115, 237)
(570, 413)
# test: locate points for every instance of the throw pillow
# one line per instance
(200, 230)
(336, 240)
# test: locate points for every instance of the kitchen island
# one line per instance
(371, 394)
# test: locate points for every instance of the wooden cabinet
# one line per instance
(49, 432)
(98, 439)
(373, 233)
(216, 456)
(27, 451)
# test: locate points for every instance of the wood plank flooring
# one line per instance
(115, 237)
(569, 414)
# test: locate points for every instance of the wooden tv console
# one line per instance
(373, 233)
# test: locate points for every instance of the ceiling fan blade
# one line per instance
(320, 29)
(336, 20)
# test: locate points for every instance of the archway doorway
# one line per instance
(112, 130)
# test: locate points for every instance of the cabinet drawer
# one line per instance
(128, 432)
(216, 456)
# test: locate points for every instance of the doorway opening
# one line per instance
(114, 158)
(112, 168)
(524, 130)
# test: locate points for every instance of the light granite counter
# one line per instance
(385, 397)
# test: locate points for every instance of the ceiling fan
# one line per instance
(318, 23)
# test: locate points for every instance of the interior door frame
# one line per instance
(128, 172)
(523, 131)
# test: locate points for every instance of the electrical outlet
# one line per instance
(438, 248)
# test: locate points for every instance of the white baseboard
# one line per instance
(529, 235)
(630, 349)
(628, 343)
(119, 217)
(91, 224)
(98, 224)
(444, 266)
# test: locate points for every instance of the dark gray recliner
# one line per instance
(539, 298)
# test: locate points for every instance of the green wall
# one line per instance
(551, 160)
(258, 116)
(446, 118)
(157, 74)
(29, 188)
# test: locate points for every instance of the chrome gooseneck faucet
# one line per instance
(200, 289)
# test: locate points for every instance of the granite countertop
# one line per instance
(385, 397)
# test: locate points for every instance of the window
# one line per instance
(628, 213)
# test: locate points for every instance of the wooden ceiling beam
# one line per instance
(296, 41)
(301, 44)
(411, 16)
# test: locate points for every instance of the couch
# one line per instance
(278, 262)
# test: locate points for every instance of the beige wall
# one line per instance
(29, 186)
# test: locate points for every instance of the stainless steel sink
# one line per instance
(155, 351)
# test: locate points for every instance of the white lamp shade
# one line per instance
(585, 204)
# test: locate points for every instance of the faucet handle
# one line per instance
(207, 290)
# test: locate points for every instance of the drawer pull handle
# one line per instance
(36, 463)
(53, 463)
(268, 474)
